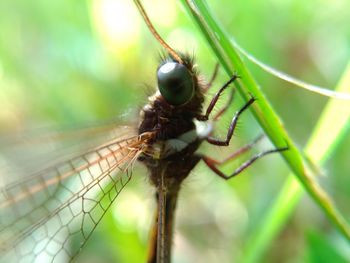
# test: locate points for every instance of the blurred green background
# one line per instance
(70, 63)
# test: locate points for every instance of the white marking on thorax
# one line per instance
(181, 142)
(163, 149)
(203, 129)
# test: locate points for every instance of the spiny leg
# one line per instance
(213, 77)
(223, 110)
(215, 99)
(232, 127)
(240, 151)
(211, 163)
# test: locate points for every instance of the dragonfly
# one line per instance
(43, 212)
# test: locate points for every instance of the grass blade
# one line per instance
(329, 131)
(262, 110)
(297, 82)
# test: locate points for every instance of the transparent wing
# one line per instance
(23, 152)
(41, 214)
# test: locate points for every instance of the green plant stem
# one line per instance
(329, 131)
(262, 110)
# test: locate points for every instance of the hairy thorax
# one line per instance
(176, 138)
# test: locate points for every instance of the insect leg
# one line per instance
(232, 127)
(215, 99)
(240, 151)
(213, 77)
(223, 110)
(211, 163)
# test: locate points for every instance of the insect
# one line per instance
(40, 214)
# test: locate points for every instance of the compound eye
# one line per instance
(175, 83)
